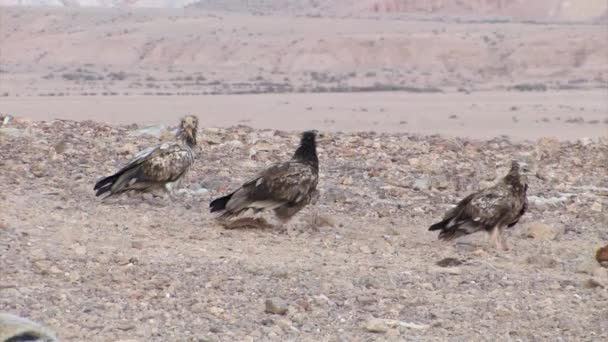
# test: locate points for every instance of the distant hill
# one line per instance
(100, 3)
(537, 10)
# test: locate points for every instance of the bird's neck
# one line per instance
(307, 154)
(514, 181)
(187, 140)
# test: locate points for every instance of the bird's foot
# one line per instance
(154, 201)
(246, 222)
(316, 221)
(282, 229)
(481, 252)
(503, 242)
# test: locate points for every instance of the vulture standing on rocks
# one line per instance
(160, 167)
(285, 187)
(491, 209)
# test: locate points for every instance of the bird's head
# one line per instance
(187, 130)
(309, 137)
(519, 171)
(313, 137)
(307, 151)
(520, 167)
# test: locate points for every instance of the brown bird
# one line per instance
(159, 167)
(492, 209)
(284, 187)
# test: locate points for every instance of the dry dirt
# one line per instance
(147, 269)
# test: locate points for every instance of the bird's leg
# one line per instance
(154, 197)
(245, 222)
(502, 239)
(494, 236)
(282, 225)
(171, 195)
(314, 221)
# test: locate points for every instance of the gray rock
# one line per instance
(275, 306)
(286, 325)
(540, 231)
(600, 273)
(422, 183)
(544, 203)
(379, 325)
(449, 262)
(542, 261)
(39, 169)
(587, 266)
(5, 119)
(12, 132)
(128, 149)
(592, 283)
(155, 131)
(323, 301)
(14, 328)
(376, 325)
(333, 194)
(366, 300)
(597, 207)
(440, 182)
(446, 270)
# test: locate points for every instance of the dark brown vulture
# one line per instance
(285, 187)
(159, 167)
(491, 209)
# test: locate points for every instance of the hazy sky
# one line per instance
(103, 3)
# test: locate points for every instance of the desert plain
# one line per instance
(419, 111)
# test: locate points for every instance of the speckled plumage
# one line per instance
(491, 209)
(284, 187)
(160, 167)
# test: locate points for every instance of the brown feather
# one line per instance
(498, 206)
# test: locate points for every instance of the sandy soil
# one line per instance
(522, 115)
(153, 270)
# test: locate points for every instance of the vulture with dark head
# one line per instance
(284, 187)
(159, 167)
(492, 209)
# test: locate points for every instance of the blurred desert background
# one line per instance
(480, 68)
(421, 102)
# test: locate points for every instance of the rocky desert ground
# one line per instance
(422, 102)
(359, 265)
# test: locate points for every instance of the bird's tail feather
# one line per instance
(118, 182)
(440, 225)
(105, 184)
(219, 204)
(452, 228)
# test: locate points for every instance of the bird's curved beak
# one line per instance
(190, 131)
(323, 137)
(526, 171)
(190, 134)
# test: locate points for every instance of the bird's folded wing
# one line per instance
(286, 181)
(165, 162)
(489, 206)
